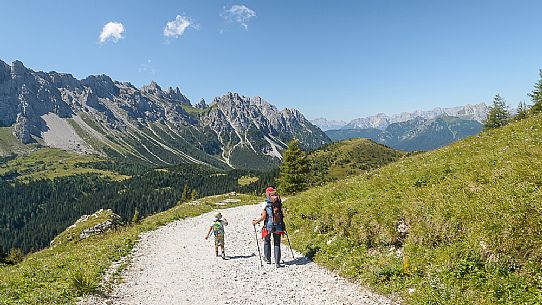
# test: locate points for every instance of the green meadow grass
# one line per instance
(348, 158)
(9, 143)
(49, 163)
(246, 180)
(60, 274)
(474, 216)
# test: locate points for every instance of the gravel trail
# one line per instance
(175, 265)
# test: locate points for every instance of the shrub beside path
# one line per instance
(175, 265)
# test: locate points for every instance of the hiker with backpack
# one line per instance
(272, 216)
(217, 229)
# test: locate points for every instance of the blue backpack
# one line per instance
(275, 217)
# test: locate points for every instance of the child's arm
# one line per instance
(208, 232)
(225, 222)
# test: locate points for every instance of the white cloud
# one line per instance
(147, 67)
(238, 13)
(177, 27)
(112, 30)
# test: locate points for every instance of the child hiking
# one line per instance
(217, 229)
(272, 216)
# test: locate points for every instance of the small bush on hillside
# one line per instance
(15, 256)
(82, 283)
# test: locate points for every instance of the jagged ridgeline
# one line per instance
(149, 125)
(35, 210)
(414, 134)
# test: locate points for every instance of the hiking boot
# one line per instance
(267, 260)
(217, 254)
(223, 255)
(279, 265)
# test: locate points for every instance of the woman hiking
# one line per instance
(272, 217)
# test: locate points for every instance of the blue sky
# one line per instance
(333, 59)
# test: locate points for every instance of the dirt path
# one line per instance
(175, 265)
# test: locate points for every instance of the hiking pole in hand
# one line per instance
(258, 244)
(289, 245)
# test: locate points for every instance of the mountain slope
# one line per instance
(415, 134)
(348, 158)
(149, 125)
(458, 225)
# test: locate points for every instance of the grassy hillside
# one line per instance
(459, 225)
(75, 267)
(348, 158)
(9, 144)
(50, 163)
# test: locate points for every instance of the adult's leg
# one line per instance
(276, 247)
(267, 248)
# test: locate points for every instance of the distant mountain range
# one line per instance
(326, 124)
(415, 134)
(148, 124)
(381, 121)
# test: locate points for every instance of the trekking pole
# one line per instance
(289, 245)
(258, 244)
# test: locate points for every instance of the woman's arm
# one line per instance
(263, 216)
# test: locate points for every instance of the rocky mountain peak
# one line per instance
(148, 124)
(153, 88)
(64, 80)
(201, 104)
(18, 70)
(102, 85)
(5, 71)
(173, 94)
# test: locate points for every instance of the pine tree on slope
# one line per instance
(293, 170)
(498, 114)
(536, 95)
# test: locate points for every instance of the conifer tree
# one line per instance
(536, 95)
(522, 112)
(135, 218)
(498, 114)
(184, 195)
(293, 170)
(2, 254)
(194, 195)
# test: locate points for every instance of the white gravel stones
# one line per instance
(175, 265)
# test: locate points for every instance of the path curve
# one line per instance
(175, 265)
